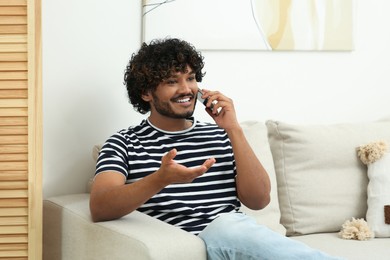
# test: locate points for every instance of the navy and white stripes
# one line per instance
(136, 152)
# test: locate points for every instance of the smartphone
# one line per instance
(203, 100)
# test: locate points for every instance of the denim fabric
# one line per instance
(236, 236)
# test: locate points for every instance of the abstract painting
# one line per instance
(275, 25)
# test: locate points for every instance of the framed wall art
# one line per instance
(275, 25)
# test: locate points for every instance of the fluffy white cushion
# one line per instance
(321, 182)
(378, 192)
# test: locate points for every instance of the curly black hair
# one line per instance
(156, 62)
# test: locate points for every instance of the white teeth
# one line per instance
(183, 100)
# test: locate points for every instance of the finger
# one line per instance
(204, 167)
(169, 156)
(205, 91)
(210, 112)
(208, 163)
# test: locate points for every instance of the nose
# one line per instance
(185, 86)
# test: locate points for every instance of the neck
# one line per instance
(170, 124)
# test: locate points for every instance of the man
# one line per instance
(187, 173)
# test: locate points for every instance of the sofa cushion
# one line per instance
(321, 182)
(256, 134)
(332, 244)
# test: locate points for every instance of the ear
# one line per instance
(147, 97)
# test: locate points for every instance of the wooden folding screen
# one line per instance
(20, 130)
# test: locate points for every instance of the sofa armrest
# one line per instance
(69, 233)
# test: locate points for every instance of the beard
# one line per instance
(165, 109)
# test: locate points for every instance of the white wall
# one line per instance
(86, 46)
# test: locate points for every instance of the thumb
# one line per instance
(169, 156)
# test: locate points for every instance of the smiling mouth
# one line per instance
(183, 99)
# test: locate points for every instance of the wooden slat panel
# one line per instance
(13, 230)
(13, 38)
(12, 47)
(13, 130)
(14, 56)
(13, 102)
(9, 212)
(13, 203)
(13, 121)
(13, 65)
(13, 239)
(13, 10)
(12, 254)
(18, 148)
(13, 19)
(13, 193)
(13, 220)
(13, 246)
(13, 139)
(13, 185)
(13, 93)
(13, 84)
(14, 75)
(13, 166)
(13, 175)
(17, 111)
(13, 29)
(13, 157)
(13, 2)
(19, 258)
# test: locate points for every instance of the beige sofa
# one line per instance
(318, 183)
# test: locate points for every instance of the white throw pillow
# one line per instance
(321, 181)
(378, 192)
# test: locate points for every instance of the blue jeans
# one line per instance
(236, 236)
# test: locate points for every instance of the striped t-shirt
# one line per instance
(137, 151)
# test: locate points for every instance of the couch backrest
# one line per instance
(317, 181)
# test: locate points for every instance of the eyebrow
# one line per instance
(176, 74)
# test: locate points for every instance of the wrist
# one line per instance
(234, 131)
(160, 178)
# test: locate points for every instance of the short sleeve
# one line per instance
(113, 156)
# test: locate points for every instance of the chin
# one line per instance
(185, 115)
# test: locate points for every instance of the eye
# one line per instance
(171, 81)
(191, 78)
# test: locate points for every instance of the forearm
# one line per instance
(253, 183)
(117, 201)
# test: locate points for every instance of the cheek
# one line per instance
(194, 87)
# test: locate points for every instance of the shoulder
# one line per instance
(123, 138)
(132, 132)
(209, 128)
